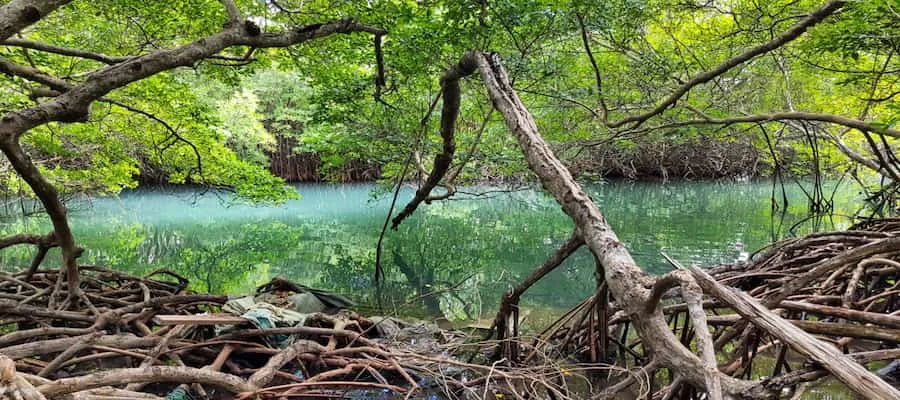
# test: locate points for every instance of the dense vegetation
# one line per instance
(325, 110)
(238, 95)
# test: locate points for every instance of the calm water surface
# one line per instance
(471, 250)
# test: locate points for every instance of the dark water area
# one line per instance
(472, 248)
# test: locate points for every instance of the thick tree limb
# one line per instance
(73, 104)
(626, 281)
(49, 197)
(19, 14)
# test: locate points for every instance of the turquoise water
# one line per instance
(472, 249)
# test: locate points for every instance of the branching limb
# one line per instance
(793, 33)
(234, 14)
(693, 297)
(19, 14)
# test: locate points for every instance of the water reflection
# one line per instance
(468, 251)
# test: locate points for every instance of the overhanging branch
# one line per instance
(449, 112)
(793, 33)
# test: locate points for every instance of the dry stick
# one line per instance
(154, 354)
(266, 373)
(31, 334)
(612, 391)
(510, 300)
(9, 307)
(58, 345)
(86, 341)
(841, 312)
(846, 370)
(827, 328)
(145, 375)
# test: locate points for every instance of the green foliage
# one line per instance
(318, 96)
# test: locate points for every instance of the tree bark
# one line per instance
(627, 283)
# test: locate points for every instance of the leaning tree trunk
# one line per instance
(636, 292)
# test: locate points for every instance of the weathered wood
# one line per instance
(826, 328)
(144, 375)
(627, 283)
(842, 367)
(209, 319)
(886, 320)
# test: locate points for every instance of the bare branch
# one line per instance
(604, 110)
(64, 51)
(788, 116)
(172, 132)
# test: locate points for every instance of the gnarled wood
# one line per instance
(846, 370)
